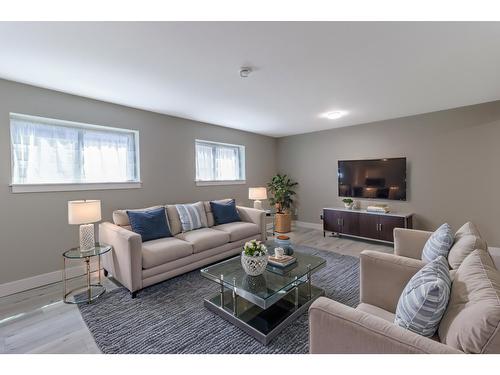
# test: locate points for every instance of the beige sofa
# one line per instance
(136, 264)
(471, 323)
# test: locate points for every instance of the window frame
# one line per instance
(242, 162)
(73, 186)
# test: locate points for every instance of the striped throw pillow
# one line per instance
(192, 216)
(424, 299)
(438, 244)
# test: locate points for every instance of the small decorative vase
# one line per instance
(253, 266)
(348, 205)
(285, 243)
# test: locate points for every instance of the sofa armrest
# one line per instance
(384, 276)
(125, 260)
(252, 215)
(410, 242)
(335, 328)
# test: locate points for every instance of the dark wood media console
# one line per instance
(361, 223)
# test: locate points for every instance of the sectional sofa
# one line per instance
(471, 323)
(136, 264)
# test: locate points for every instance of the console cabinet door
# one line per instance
(349, 223)
(387, 225)
(331, 221)
(368, 226)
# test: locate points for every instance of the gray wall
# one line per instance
(453, 165)
(33, 226)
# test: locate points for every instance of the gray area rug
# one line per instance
(170, 317)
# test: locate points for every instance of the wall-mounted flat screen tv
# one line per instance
(375, 178)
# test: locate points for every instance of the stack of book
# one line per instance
(383, 208)
(282, 262)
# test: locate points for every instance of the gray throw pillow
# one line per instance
(439, 244)
(424, 299)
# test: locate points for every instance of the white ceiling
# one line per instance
(374, 71)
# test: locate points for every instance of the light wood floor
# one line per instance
(37, 321)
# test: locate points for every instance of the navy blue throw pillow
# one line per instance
(151, 224)
(224, 212)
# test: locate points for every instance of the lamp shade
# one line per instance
(257, 193)
(84, 212)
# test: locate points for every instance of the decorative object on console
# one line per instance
(356, 205)
(438, 244)
(348, 202)
(150, 224)
(257, 194)
(85, 213)
(378, 208)
(424, 299)
(281, 187)
(254, 258)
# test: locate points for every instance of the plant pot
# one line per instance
(349, 205)
(283, 223)
(253, 266)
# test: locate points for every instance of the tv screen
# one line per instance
(377, 178)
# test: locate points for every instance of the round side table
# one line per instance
(90, 292)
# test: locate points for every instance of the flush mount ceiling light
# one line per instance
(245, 71)
(334, 115)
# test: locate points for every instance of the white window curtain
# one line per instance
(44, 153)
(219, 162)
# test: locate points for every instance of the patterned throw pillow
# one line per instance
(439, 244)
(424, 299)
(192, 216)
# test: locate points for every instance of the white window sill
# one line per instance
(228, 182)
(36, 188)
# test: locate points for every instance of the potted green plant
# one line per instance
(348, 202)
(282, 190)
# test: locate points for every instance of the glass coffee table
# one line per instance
(263, 305)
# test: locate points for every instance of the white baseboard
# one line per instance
(305, 224)
(43, 279)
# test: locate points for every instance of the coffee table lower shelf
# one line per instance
(264, 324)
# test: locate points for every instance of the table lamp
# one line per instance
(256, 194)
(85, 213)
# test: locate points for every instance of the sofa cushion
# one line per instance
(424, 299)
(467, 239)
(192, 216)
(174, 220)
(204, 238)
(151, 224)
(120, 217)
(238, 230)
(471, 322)
(377, 311)
(225, 212)
(438, 244)
(208, 211)
(164, 250)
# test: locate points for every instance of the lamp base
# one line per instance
(87, 241)
(257, 204)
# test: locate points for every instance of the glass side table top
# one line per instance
(76, 253)
(266, 289)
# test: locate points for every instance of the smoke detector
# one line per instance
(245, 71)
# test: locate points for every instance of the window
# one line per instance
(55, 155)
(219, 163)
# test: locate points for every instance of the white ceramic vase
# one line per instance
(253, 266)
